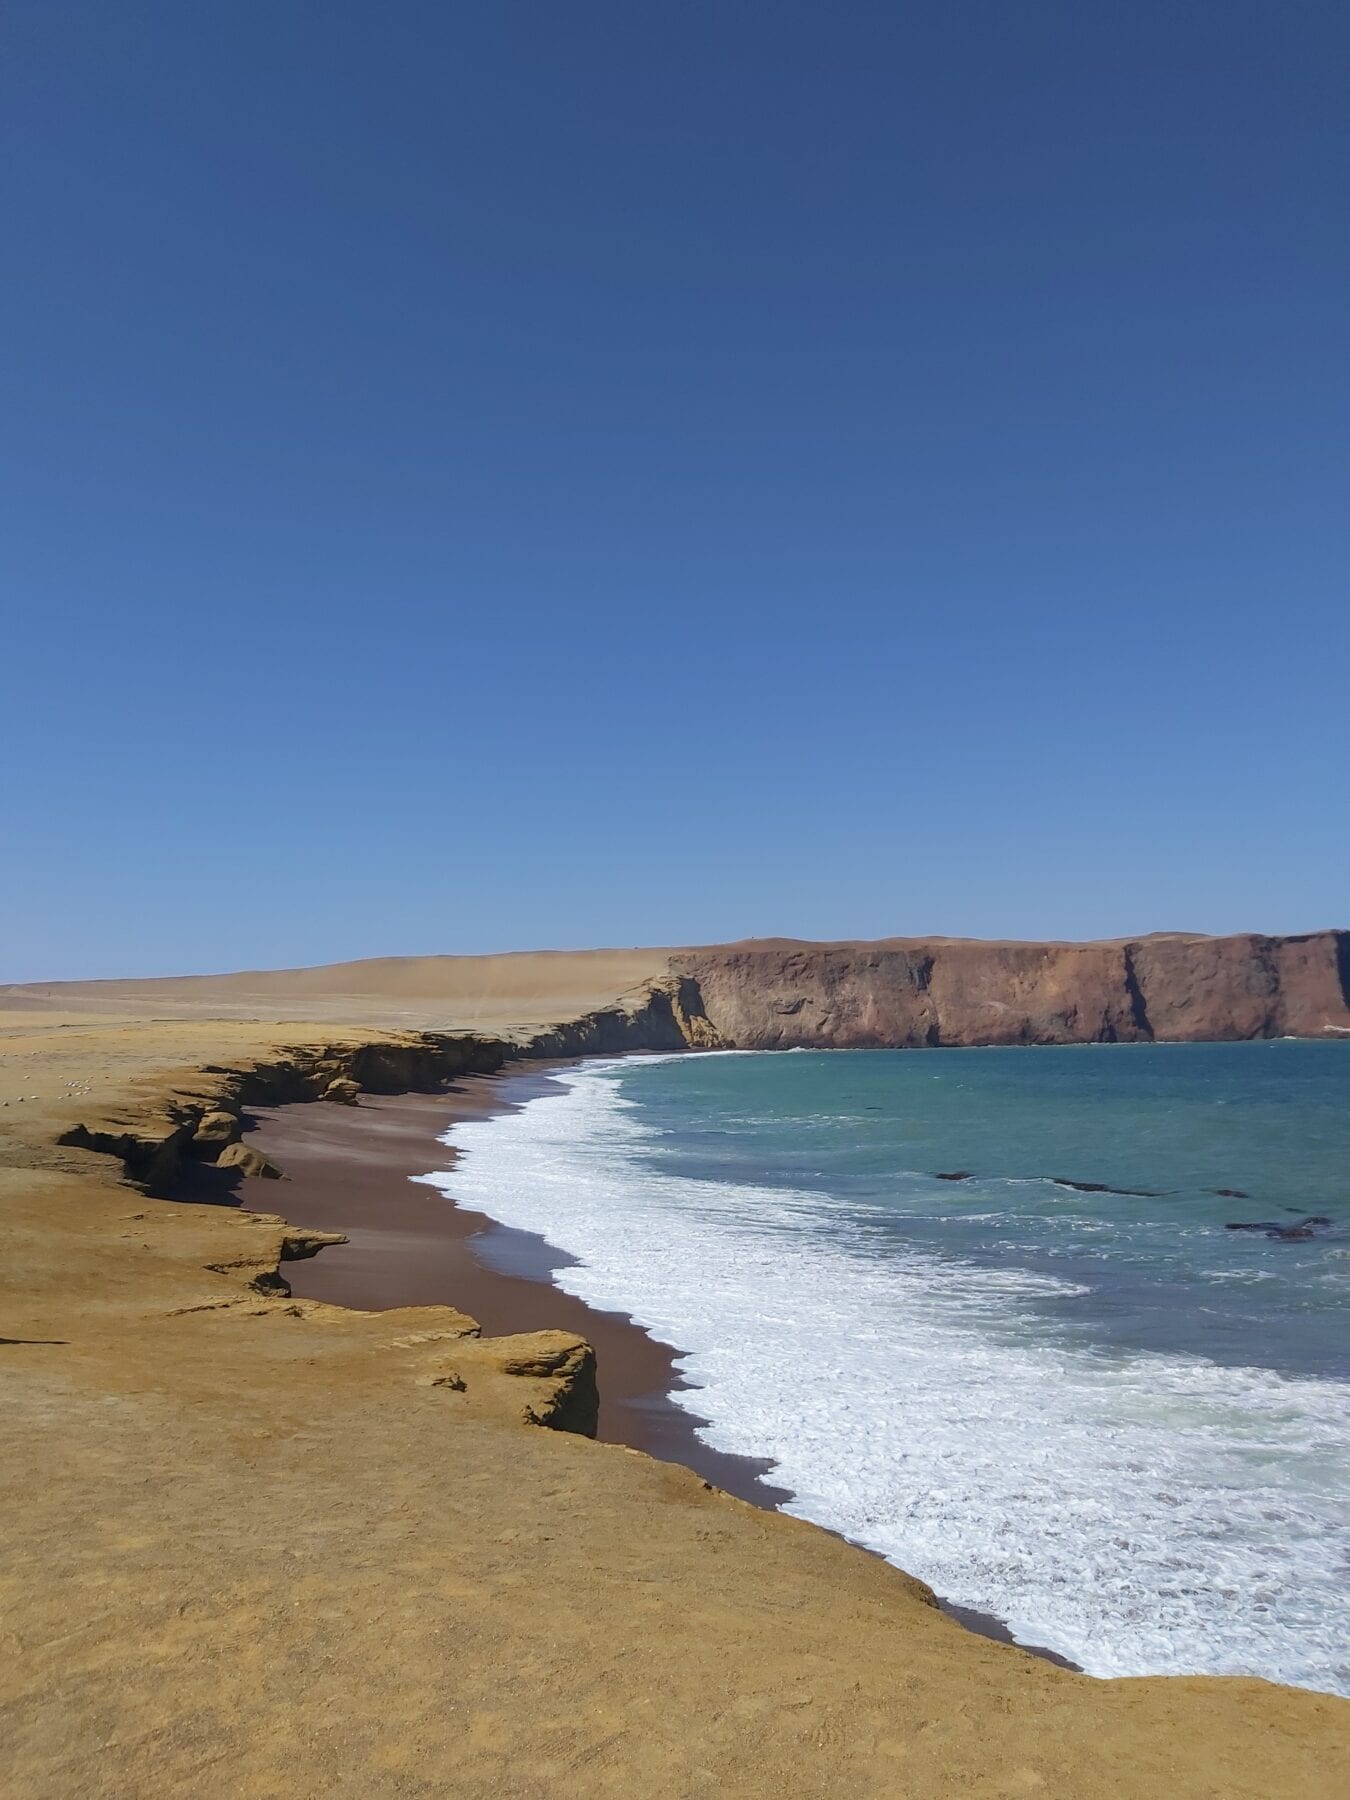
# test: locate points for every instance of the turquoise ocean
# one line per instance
(1094, 1410)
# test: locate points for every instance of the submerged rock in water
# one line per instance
(1102, 1187)
(1307, 1227)
(954, 1174)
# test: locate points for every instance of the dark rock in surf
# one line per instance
(1101, 1187)
(1307, 1227)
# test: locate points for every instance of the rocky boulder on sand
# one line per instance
(216, 1130)
(248, 1162)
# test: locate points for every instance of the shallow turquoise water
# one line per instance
(1102, 1416)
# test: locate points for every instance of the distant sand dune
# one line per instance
(517, 991)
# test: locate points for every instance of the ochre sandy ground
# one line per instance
(507, 995)
(248, 1549)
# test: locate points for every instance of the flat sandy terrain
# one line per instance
(512, 994)
(260, 1545)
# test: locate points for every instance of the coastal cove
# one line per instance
(311, 1543)
(675, 974)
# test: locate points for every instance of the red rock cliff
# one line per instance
(779, 993)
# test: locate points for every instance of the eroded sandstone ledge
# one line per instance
(202, 1120)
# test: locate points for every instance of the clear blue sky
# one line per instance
(487, 476)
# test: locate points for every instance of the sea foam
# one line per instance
(1138, 1513)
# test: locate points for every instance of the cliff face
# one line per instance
(903, 992)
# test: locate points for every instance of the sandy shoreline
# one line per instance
(299, 1549)
(355, 1170)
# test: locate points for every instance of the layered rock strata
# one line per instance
(781, 994)
(203, 1122)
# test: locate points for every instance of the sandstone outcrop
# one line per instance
(666, 1014)
(153, 1141)
(540, 1377)
(216, 1130)
(248, 1161)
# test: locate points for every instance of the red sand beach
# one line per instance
(350, 1169)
